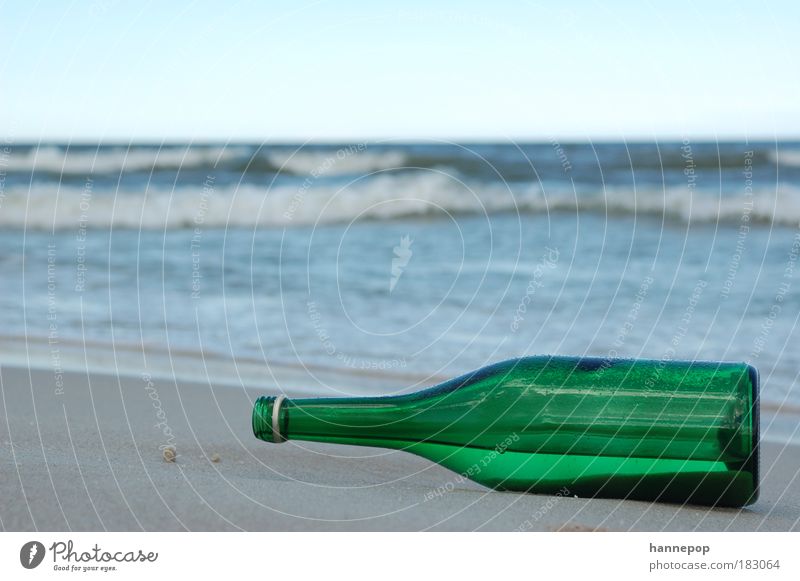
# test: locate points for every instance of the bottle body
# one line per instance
(652, 430)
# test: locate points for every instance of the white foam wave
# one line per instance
(383, 197)
(342, 161)
(776, 206)
(114, 160)
(65, 161)
(786, 157)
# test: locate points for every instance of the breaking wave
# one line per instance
(477, 161)
(786, 157)
(381, 197)
(55, 160)
(64, 161)
(341, 161)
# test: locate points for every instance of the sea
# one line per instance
(409, 261)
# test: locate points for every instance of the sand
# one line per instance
(86, 451)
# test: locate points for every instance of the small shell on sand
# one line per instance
(169, 454)
(215, 457)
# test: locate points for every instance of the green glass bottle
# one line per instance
(672, 431)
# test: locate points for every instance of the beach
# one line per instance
(83, 451)
(149, 293)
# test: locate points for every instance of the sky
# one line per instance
(351, 70)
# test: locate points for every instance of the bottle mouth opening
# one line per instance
(262, 418)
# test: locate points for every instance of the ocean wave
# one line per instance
(342, 161)
(487, 162)
(786, 157)
(105, 160)
(776, 206)
(57, 160)
(381, 197)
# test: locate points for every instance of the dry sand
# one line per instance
(91, 456)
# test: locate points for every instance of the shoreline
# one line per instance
(131, 359)
(780, 421)
(91, 459)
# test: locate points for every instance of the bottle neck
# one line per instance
(354, 420)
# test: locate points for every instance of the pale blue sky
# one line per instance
(353, 70)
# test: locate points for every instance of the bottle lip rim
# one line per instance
(261, 418)
(266, 418)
